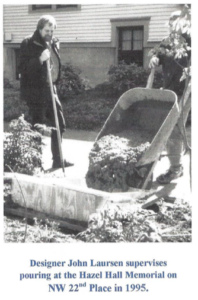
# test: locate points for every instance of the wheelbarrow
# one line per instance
(154, 112)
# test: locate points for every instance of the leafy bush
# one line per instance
(109, 225)
(88, 111)
(71, 83)
(42, 231)
(22, 148)
(116, 224)
(6, 83)
(124, 77)
(133, 224)
(13, 106)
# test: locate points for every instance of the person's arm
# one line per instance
(159, 53)
(28, 65)
(154, 62)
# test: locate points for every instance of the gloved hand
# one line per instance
(45, 55)
(154, 62)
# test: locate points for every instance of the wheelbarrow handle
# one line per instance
(150, 79)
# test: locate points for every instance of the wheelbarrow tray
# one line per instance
(151, 110)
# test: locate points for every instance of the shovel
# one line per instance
(150, 79)
(55, 115)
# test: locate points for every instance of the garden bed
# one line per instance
(172, 223)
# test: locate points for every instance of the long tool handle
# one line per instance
(55, 115)
(150, 79)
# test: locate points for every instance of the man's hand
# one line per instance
(154, 62)
(45, 55)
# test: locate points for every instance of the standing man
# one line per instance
(35, 88)
(172, 72)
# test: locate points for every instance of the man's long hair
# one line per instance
(46, 19)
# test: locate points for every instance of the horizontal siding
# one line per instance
(90, 24)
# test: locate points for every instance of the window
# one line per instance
(67, 6)
(131, 45)
(40, 7)
(129, 37)
(47, 7)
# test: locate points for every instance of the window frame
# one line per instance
(118, 23)
(54, 7)
(131, 29)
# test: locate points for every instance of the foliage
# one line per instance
(71, 83)
(177, 44)
(7, 188)
(124, 77)
(110, 225)
(88, 111)
(6, 83)
(173, 223)
(13, 106)
(42, 231)
(22, 148)
(132, 224)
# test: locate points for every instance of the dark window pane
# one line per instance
(37, 7)
(67, 6)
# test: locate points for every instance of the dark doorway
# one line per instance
(131, 45)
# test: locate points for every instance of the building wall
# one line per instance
(89, 24)
(93, 61)
(9, 63)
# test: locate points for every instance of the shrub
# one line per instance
(13, 106)
(6, 83)
(117, 224)
(130, 223)
(71, 83)
(124, 77)
(22, 148)
(86, 115)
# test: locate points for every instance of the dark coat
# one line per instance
(173, 68)
(34, 80)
